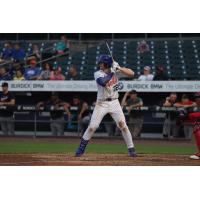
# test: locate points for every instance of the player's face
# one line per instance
(101, 66)
(133, 96)
(173, 98)
(76, 101)
(4, 89)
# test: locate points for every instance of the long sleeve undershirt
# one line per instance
(104, 80)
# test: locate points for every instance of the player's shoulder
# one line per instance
(98, 73)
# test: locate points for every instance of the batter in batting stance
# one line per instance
(107, 102)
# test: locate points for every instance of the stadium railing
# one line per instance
(32, 121)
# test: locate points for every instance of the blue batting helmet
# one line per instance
(105, 59)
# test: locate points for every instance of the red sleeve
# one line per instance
(194, 116)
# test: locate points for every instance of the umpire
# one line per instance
(6, 116)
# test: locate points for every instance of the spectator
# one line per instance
(18, 53)
(16, 66)
(135, 116)
(34, 53)
(63, 45)
(8, 52)
(32, 72)
(4, 75)
(147, 76)
(83, 114)
(57, 75)
(57, 115)
(73, 74)
(170, 124)
(160, 74)
(186, 103)
(197, 98)
(18, 76)
(6, 116)
(143, 47)
(46, 72)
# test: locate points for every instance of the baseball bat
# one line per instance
(109, 50)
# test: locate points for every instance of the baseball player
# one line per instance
(196, 131)
(107, 102)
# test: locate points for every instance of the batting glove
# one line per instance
(116, 66)
(113, 70)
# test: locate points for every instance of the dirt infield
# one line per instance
(95, 160)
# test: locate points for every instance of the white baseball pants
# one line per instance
(114, 109)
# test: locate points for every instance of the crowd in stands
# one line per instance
(16, 64)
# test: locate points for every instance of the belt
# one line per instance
(108, 99)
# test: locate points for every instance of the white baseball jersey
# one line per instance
(111, 88)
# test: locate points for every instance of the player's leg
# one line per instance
(174, 128)
(11, 126)
(84, 122)
(100, 110)
(196, 133)
(53, 128)
(138, 126)
(4, 127)
(166, 128)
(60, 126)
(131, 125)
(118, 115)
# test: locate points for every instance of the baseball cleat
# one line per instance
(80, 151)
(132, 152)
(195, 157)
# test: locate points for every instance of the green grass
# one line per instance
(39, 147)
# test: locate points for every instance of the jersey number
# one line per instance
(118, 87)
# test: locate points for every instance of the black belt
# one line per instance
(110, 99)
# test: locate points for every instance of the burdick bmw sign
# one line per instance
(90, 86)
